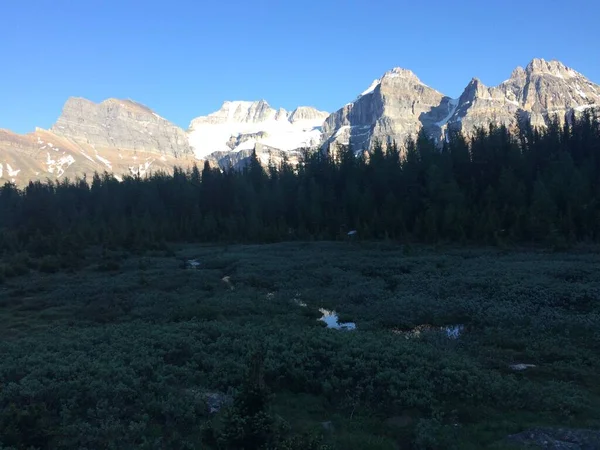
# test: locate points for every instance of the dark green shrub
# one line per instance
(108, 266)
(27, 426)
(17, 265)
(49, 264)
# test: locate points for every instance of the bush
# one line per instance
(49, 264)
(17, 265)
(27, 426)
(108, 266)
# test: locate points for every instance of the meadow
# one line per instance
(137, 351)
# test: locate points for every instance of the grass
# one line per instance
(106, 355)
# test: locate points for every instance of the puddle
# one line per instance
(332, 321)
(451, 331)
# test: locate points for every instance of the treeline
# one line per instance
(533, 185)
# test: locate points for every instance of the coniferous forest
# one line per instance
(534, 186)
(187, 311)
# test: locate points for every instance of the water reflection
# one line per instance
(332, 320)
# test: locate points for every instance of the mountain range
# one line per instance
(124, 137)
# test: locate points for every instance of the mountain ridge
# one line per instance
(125, 137)
(394, 110)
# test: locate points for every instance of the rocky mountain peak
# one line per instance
(398, 104)
(122, 137)
(540, 91)
(111, 108)
(122, 124)
(393, 107)
(475, 84)
(476, 90)
(470, 91)
(281, 114)
(518, 74)
(303, 113)
(399, 72)
(397, 76)
(240, 112)
(539, 66)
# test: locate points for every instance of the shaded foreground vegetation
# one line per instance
(121, 353)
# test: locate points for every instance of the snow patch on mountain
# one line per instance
(87, 156)
(240, 125)
(342, 130)
(452, 105)
(371, 88)
(59, 165)
(142, 169)
(105, 161)
(12, 172)
(584, 107)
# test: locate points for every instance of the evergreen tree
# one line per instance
(497, 185)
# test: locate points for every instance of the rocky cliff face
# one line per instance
(477, 107)
(116, 136)
(547, 88)
(121, 124)
(266, 155)
(541, 91)
(238, 126)
(398, 105)
(394, 107)
(307, 114)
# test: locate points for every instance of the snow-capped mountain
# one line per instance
(124, 137)
(241, 125)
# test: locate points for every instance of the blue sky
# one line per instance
(183, 58)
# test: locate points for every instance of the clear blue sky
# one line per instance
(183, 58)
